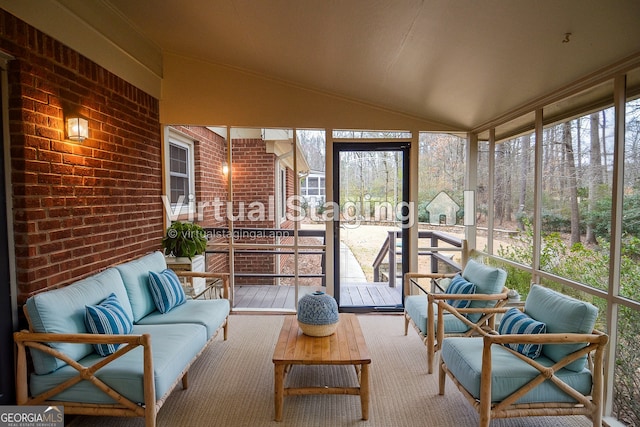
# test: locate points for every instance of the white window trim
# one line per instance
(282, 192)
(172, 137)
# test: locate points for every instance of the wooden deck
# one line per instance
(370, 295)
(272, 297)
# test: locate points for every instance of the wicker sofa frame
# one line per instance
(121, 406)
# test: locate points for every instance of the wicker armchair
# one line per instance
(502, 378)
(420, 310)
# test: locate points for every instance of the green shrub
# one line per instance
(591, 267)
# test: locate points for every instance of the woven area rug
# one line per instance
(231, 384)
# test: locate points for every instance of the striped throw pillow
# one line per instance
(166, 290)
(459, 285)
(515, 321)
(108, 317)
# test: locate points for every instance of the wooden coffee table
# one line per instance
(345, 347)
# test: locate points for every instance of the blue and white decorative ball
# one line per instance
(318, 314)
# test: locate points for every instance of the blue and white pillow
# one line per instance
(515, 321)
(108, 317)
(459, 285)
(166, 290)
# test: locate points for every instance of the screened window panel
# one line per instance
(179, 160)
(179, 187)
(630, 269)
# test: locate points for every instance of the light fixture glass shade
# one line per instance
(225, 168)
(77, 128)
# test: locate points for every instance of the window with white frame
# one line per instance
(180, 176)
(312, 189)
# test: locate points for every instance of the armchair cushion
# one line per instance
(545, 305)
(516, 322)
(488, 281)
(108, 317)
(416, 308)
(460, 286)
(508, 373)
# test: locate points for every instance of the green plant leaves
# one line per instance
(184, 239)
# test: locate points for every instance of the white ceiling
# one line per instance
(458, 62)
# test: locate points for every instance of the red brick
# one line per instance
(67, 240)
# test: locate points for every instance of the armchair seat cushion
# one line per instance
(463, 357)
(416, 308)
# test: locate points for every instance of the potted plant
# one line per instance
(183, 244)
(184, 239)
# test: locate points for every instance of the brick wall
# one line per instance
(210, 151)
(253, 181)
(78, 207)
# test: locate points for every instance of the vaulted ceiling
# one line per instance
(457, 62)
(453, 61)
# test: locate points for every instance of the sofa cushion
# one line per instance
(173, 348)
(516, 322)
(135, 275)
(208, 313)
(166, 290)
(62, 311)
(488, 281)
(416, 307)
(108, 317)
(460, 286)
(463, 359)
(561, 314)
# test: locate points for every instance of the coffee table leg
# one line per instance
(364, 391)
(278, 391)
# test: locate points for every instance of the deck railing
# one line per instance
(270, 248)
(392, 249)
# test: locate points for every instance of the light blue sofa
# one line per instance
(139, 376)
(502, 379)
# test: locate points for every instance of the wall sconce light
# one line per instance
(77, 128)
(225, 168)
(469, 207)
